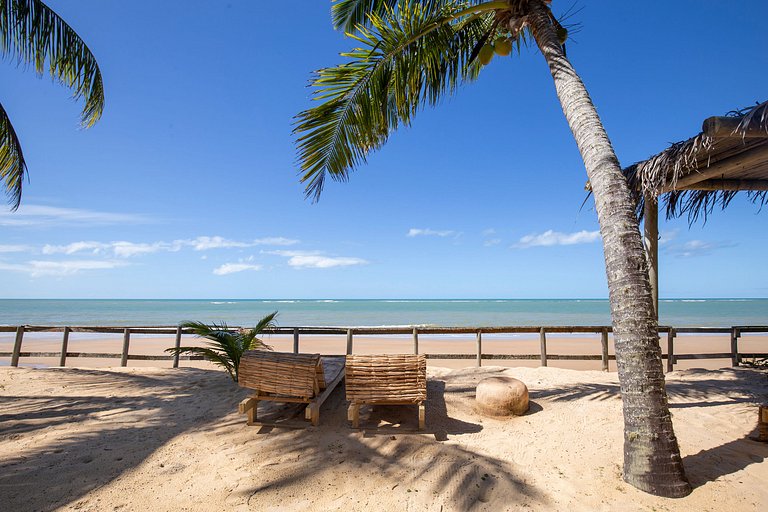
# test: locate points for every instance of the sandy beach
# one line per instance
(323, 344)
(163, 439)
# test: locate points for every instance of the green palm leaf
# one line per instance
(32, 33)
(410, 56)
(226, 346)
(12, 165)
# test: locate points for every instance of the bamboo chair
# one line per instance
(386, 380)
(287, 377)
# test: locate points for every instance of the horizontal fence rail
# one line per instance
(543, 356)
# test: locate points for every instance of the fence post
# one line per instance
(64, 343)
(415, 340)
(479, 348)
(295, 340)
(177, 344)
(543, 340)
(671, 349)
(349, 341)
(126, 342)
(734, 346)
(604, 343)
(17, 346)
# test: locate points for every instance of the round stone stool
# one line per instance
(501, 396)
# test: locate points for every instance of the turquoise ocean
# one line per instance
(372, 312)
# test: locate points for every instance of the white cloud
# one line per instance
(231, 268)
(429, 232)
(14, 248)
(37, 215)
(94, 247)
(694, 248)
(315, 259)
(123, 249)
(275, 240)
(666, 237)
(549, 238)
(38, 268)
(489, 232)
(204, 243)
(491, 242)
(120, 249)
(128, 249)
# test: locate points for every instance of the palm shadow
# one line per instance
(464, 478)
(393, 419)
(692, 389)
(709, 465)
(143, 414)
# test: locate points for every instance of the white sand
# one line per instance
(163, 439)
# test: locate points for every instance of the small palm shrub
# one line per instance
(226, 346)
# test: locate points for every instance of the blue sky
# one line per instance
(188, 188)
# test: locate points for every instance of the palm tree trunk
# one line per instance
(652, 460)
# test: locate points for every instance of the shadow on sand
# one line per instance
(142, 413)
(389, 444)
(733, 386)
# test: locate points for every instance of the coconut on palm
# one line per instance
(503, 46)
(486, 54)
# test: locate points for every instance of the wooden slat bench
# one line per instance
(391, 379)
(287, 377)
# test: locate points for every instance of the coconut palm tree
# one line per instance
(412, 53)
(226, 346)
(31, 33)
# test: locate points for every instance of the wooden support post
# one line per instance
(479, 347)
(604, 343)
(651, 243)
(349, 341)
(64, 343)
(422, 416)
(295, 340)
(543, 340)
(734, 347)
(415, 340)
(353, 414)
(671, 349)
(17, 346)
(314, 413)
(177, 344)
(249, 405)
(126, 342)
(762, 423)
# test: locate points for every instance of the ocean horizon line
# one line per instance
(376, 299)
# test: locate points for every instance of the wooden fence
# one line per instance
(671, 332)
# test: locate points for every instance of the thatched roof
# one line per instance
(693, 176)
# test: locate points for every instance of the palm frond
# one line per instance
(211, 354)
(349, 15)
(699, 204)
(13, 168)
(409, 58)
(32, 33)
(226, 346)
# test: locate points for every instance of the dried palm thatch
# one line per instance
(694, 176)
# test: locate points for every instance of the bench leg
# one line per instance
(314, 413)
(422, 413)
(252, 413)
(353, 414)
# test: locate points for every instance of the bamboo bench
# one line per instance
(399, 379)
(289, 378)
